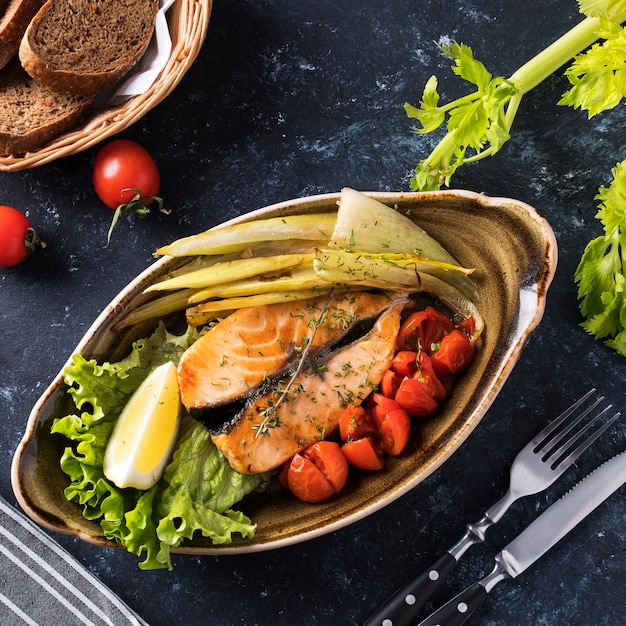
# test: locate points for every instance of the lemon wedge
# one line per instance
(143, 437)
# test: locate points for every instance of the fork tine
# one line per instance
(569, 433)
(566, 461)
(547, 435)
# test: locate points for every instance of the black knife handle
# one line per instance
(404, 605)
(459, 609)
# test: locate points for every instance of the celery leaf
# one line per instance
(613, 9)
(598, 76)
(600, 274)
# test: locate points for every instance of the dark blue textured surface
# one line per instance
(289, 99)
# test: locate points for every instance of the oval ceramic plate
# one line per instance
(514, 252)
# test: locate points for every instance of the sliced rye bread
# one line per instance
(81, 46)
(31, 114)
(14, 21)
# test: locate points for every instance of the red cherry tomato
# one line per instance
(468, 326)
(414, 397)
(355, 423)
(122, 169)
(378, 405)
(423, 330)
(318, 472)
(389, 383)
(394, 431)
(17, 237)
(405, 362)
(283, 475)
(364, 453)
(426, 374)
(455, 353)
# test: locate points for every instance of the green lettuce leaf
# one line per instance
(198, 488)
(201, 488)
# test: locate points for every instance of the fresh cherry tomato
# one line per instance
(394, 431)
(455, 353)
(122, 169)
(318, 472)
(18, 238)
(414, 397)
(126, 179)
(364, 453)
(423, 330)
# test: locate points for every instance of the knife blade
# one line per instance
(533, 542)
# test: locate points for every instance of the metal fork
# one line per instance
(534, 469)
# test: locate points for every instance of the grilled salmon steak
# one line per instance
(256, 343)
(302, 410)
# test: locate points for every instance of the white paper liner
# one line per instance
(140, 78)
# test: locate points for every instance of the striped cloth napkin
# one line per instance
(41, 584)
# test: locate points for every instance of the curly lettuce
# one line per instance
(198, 489)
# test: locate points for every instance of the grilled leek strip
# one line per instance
(365, 244)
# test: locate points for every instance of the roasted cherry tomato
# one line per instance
(18, 238)
(123, 169)
(414, 397)
(392, 423)
(354, 423)
(378, 405)
(423, 330)
(364, 453)
(427, 375)
(394, 431)
(283, 475)
(318, 472)
(381, 427)
(389, 383)
(468, 326)
(405, 362)
(455, 353)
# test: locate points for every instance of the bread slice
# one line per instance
(81, 46)
(13, 23)
(30, 114)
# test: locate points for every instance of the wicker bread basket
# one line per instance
(188, 21)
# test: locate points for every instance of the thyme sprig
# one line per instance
(271, 419)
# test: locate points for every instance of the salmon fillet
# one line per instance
(269, 431)
(256, 343)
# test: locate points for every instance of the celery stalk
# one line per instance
(479, 123)
(556, 55)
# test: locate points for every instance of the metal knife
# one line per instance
(533, 542)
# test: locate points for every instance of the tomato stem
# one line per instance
(32, 241)
(138, 206)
